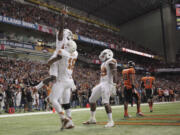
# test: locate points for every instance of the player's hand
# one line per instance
(74, 88)
(64, 11)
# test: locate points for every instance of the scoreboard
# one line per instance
(178, 16)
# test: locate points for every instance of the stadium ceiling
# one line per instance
(115, 11)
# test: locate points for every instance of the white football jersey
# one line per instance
(60, 44)
(106, 74)
(66, 64)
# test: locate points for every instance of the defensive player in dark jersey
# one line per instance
(130, 91)
(147, 83)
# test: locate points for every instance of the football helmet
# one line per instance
(148, 74)
(106, 54)
(131, 64)
(67, 34)
(70, 46)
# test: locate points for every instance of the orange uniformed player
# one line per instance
(147, 83)
(130, 89)
(171, 94)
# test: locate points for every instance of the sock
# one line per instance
(150, 106)
(68, 113)
(40, 85)
(138, 109)
(93, 114)
(109, 116)
(125, 112)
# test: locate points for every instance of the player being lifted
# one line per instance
(106, 86)
(130, 89)
(62, 37)
(147, 83)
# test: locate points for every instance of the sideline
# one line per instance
(73, 110)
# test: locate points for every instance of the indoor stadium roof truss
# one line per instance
(115, 11)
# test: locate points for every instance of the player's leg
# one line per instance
(138, 100)
(105, 94)
(127, 99)
(66, 105)
(54, 97)
(50, 78)
(53, 72)
(96, 93)
(149, 98)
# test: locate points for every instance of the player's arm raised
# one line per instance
(62, 23)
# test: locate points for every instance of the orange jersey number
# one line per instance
(71, 63)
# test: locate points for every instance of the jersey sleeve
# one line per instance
(112, 61)
(63, 53)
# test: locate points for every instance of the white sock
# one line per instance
(40, 85)
(93, 114)
(110, 116)
(68, 113)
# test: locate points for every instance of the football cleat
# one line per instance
(69, 125)
(127, 116)
(91, 121)
(109, 124)
(64, 123)
(140, 114)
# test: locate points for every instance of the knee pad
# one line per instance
(108, 108)
(66, 106)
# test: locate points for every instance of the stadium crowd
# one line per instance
(34, 14)
(17, 77)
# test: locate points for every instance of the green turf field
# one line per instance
(48, 124)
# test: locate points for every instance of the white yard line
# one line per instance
(73, 110)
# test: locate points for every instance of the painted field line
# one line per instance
(154, 118)
(143, 123)
(166, 115)
(73, 110)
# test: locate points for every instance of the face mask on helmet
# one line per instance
(70, 46)
(67, 34)
(131, 64)
(106, 54)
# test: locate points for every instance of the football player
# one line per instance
(62, 37)
(147, 83)
(60, 94)
(105, 88)
(130, 91)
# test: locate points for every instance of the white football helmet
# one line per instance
(68, 34)
(70, 46)
(106, 54)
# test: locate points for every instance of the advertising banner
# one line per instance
(14, 44)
